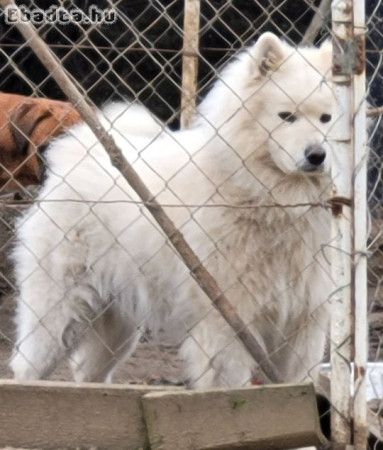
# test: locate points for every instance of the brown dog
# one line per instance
(26, 126)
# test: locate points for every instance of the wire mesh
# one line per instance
(137, 56)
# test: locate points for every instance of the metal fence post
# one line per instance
(360, 230)
(341, 324)
(349, 267)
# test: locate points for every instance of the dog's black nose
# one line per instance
(315, 155)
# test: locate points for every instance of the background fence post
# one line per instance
(190, 61)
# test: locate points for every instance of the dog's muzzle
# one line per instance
(314, 159)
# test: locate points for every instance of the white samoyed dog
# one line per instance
(95, 272)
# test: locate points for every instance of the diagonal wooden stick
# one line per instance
(191, 260)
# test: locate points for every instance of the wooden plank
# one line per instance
(274, 416)
(72, 415)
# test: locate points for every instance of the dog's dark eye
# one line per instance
(287, 116)
(324, 118)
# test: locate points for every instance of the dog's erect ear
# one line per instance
(326, 46)
(326, 51)
(267, 53)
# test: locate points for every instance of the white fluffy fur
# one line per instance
(103, 260)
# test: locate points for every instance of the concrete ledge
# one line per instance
(71, 415)
(274, 416)
(54, 415)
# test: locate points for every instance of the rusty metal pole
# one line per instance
(341, 307)
(360, 209)
(349, 263)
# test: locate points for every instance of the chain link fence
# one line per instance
(246, 183)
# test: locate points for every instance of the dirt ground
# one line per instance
(153, 364)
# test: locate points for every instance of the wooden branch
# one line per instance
(191, 260)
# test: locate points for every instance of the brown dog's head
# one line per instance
(26, 127)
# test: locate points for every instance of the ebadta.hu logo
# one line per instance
(59, 15)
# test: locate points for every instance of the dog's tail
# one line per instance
(133, 119)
